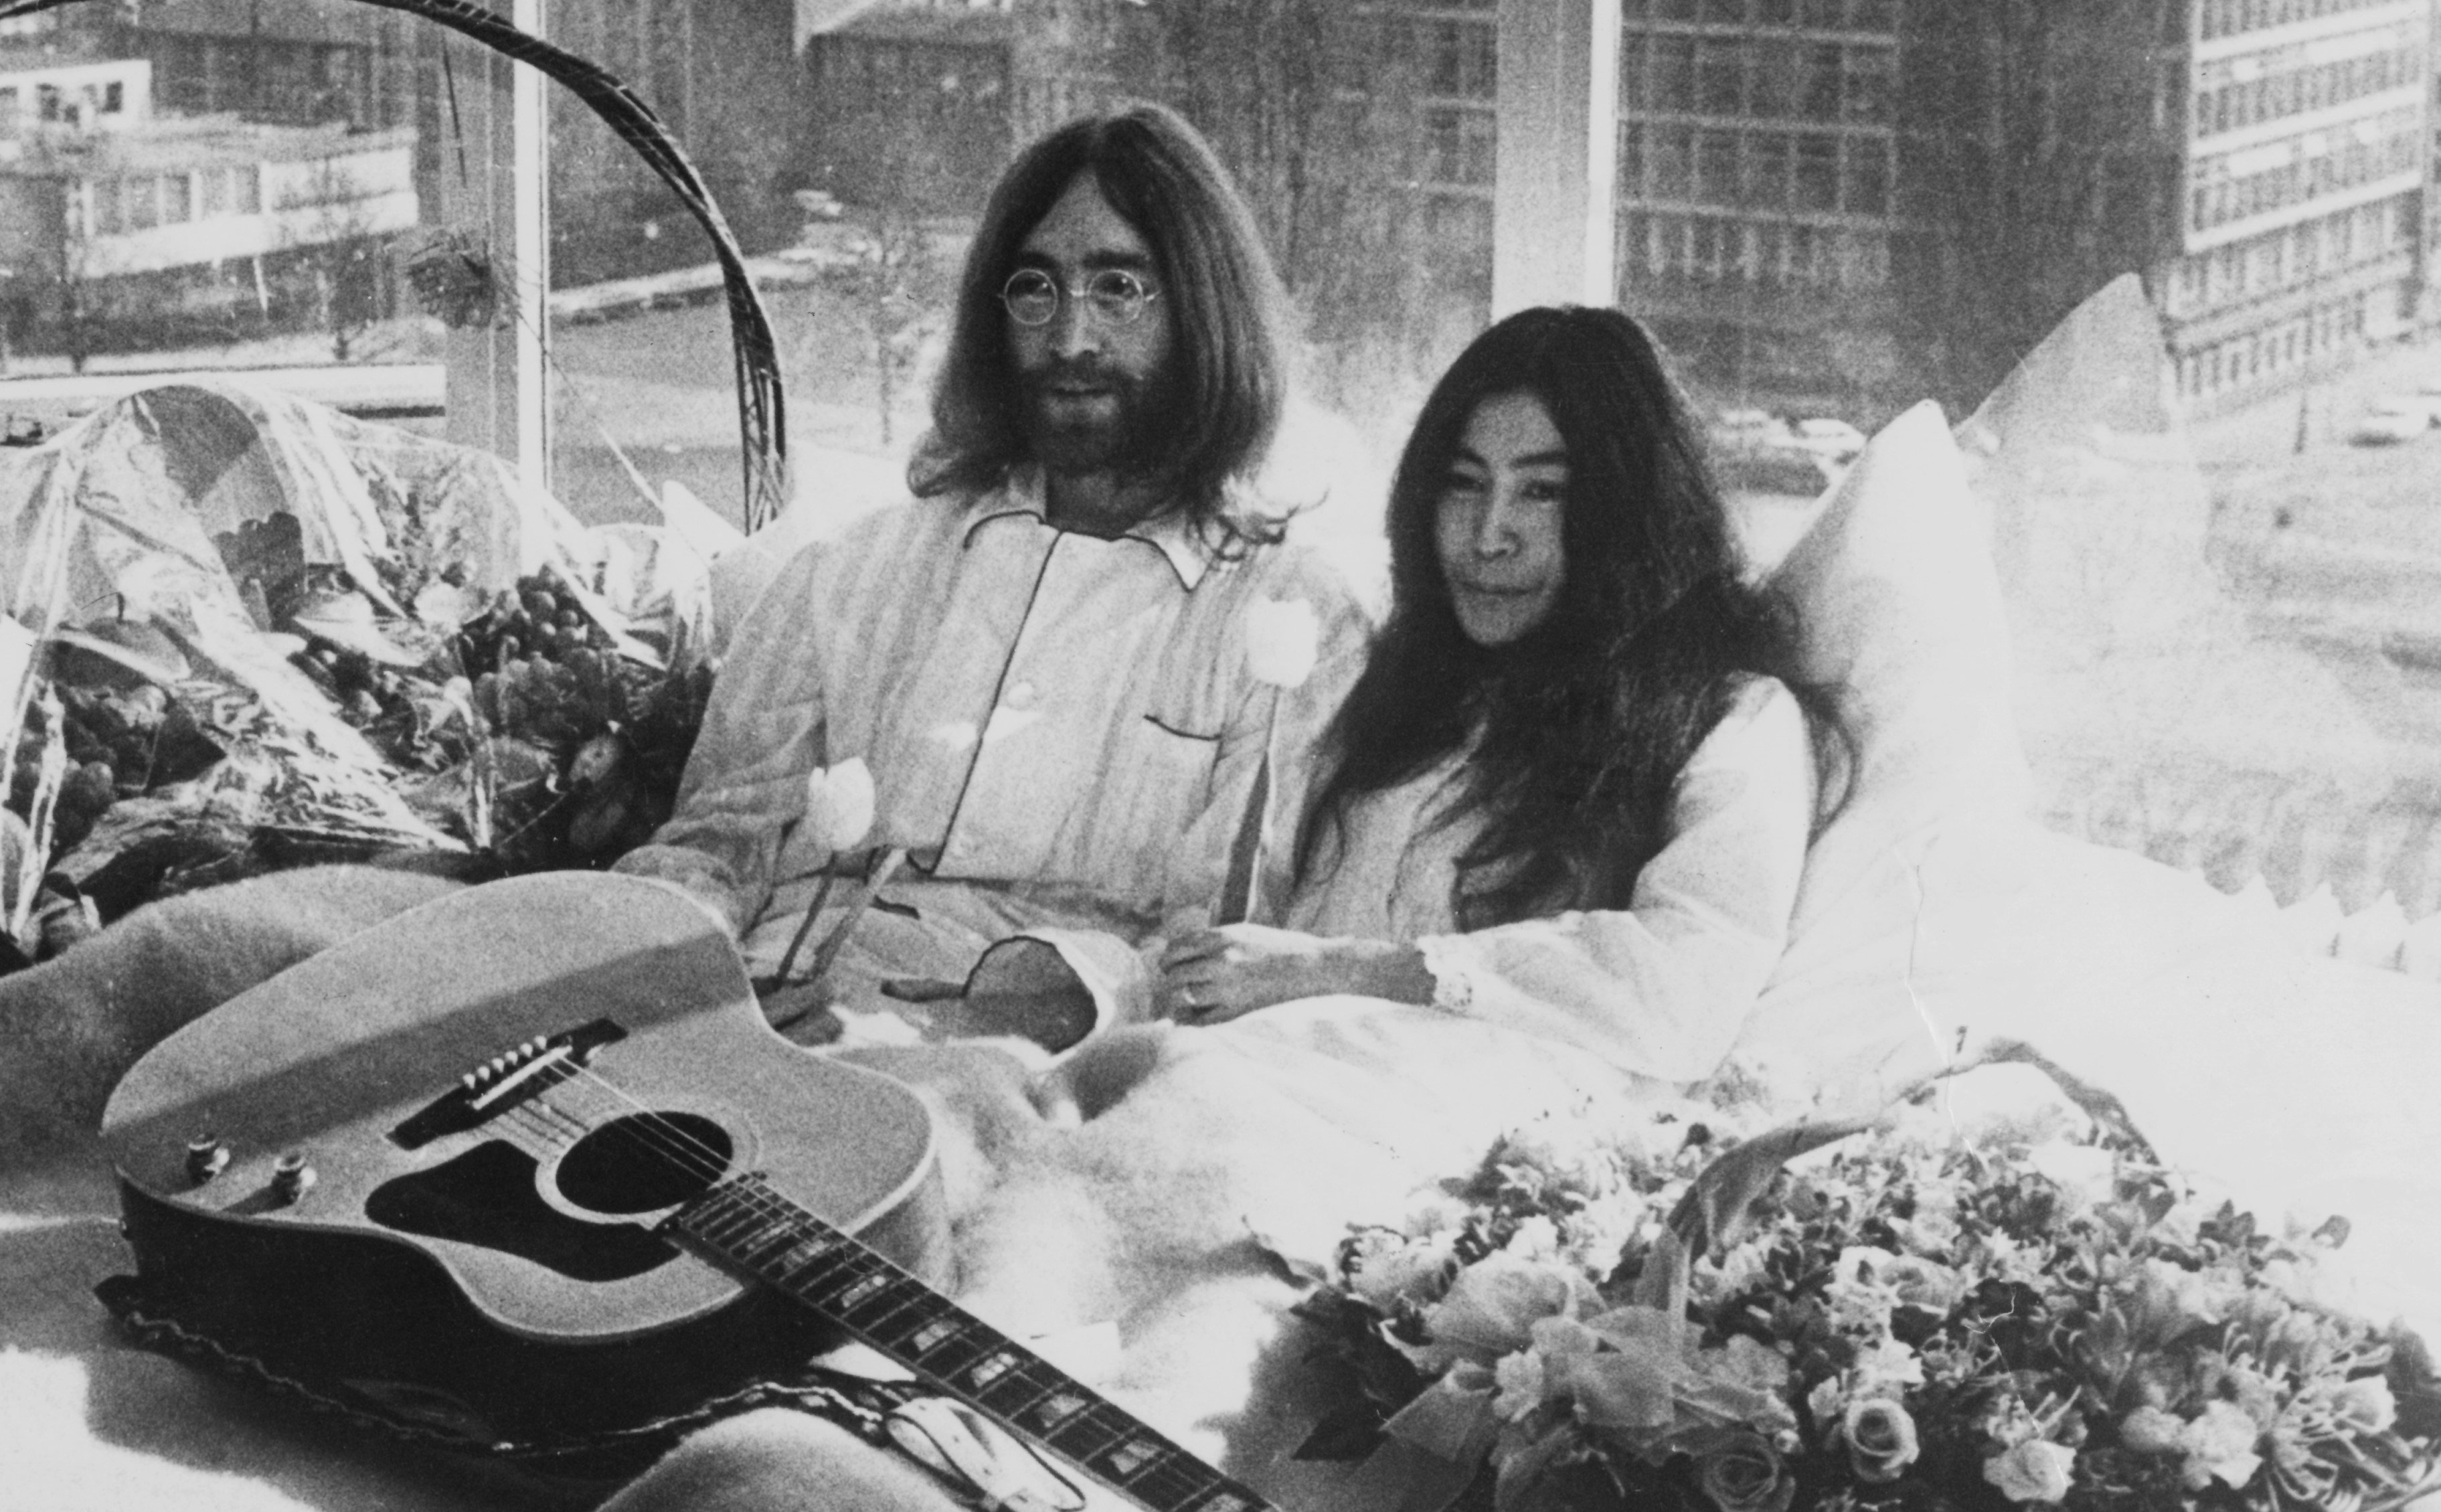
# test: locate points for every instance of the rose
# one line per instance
(1384, 1267)
(1881, 1439)
(1745, 1475)
(1522, 1381)
(1283, 639)
(2035, 1470)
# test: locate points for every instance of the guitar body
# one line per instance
(426, 1171)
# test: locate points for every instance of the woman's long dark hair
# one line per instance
(1588, 719)
(1230, 315)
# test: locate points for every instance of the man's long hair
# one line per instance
(1218, 287)
(1587, 720)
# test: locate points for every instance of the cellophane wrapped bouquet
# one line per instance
(1909, 1319)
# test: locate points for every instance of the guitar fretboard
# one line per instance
(750, 1227)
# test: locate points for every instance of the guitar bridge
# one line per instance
(504, 1082)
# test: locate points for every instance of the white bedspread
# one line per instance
(2300, 1084)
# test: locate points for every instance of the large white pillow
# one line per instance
(1898, 610)
(1900, 613)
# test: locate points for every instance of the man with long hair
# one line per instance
(1042, 658)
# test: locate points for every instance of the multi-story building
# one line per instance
(2309, 149)
(719, 72)
(118, 222)
(1843, 203)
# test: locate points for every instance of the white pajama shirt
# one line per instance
(1063, 731)
(1660, 987)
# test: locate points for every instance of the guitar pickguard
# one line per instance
(487, 1198)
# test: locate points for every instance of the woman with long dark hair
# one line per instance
(1573, 789)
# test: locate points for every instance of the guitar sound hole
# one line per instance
(641, 1162)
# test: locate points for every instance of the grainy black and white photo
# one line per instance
(1220, 755)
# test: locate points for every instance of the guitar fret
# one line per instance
(754, 1228)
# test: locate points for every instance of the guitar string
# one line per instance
(714, 1163)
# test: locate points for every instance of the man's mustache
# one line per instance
(1080, 370)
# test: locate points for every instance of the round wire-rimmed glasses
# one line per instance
(1032, 295)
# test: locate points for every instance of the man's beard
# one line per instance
(1120, 439)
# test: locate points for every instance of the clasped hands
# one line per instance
(1211, 976)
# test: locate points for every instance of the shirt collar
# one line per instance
(1172, 532)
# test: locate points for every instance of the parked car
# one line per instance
(1749, 429)
(2390, 422)
(1834, 440)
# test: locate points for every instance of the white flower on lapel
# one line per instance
(839, 804)
(1283, 639)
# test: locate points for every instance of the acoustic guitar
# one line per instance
(527, 1165)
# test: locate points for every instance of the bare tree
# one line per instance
(343, 250)
(1314, 105)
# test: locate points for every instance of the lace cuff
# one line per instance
(1453, 984)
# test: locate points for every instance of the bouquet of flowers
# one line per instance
(2043, 1315)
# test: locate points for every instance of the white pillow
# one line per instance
(1900, 617)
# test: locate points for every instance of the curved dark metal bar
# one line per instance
(761, 407)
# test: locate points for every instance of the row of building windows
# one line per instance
(2222, 18)
(1769, 254)
(2235, 106)
(1827, 171)
(2290, 257)
(144, 200)
(266, 78)
(2231, 188)
(2252, 360)
(56, 106)
(1767, 78)
(1818, 15)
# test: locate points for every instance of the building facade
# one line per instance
(2302, 232)
(1841, 204)
(122, 224)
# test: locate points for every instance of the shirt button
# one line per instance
(1021, 696)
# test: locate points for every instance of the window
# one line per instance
(1673, 162)
(1674, 74)
(1818, 173)
(113, 98)
(1720, 73)
(1867, 189)
(1866, 93)
(1820, 88)
(177, 200)
(1716, 167)
(142, 199)
(109, 216)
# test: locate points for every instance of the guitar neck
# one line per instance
(749, 1226)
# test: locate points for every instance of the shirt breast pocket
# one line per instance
(1173, 768)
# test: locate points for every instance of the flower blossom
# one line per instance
(1384, 1267)
(2220, 1443)
(1283, 640)
(1521, 1380)
(1881, 1439)
(2366, 1405)
(840, 804)
(1745, 1475)
(2035, 1470)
